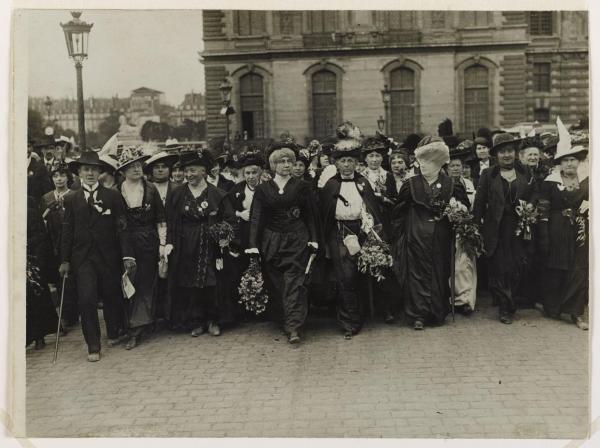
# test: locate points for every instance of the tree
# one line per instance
(109, 126)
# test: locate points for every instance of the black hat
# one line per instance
(60, 167)
(251, 159)
(451, 141)
(550, 144)
(502, 140)
(194, 158)
(87, 158)
(531, 142)
(411, 142)
(374, 144)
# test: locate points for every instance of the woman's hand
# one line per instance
(245, 215)
(313, 246)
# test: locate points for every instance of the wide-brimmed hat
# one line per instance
(462, 151)
(59, 167)
(87, 158)
(373, 144)
(163, 157)
(502, 140)
(564, 148)
(481, 141)
(251, 159)
(580, 152)
(196, 158)
(349, 141)
(110, 162)
(131, 155)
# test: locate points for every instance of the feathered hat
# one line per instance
(130, 155)
(349, 141)
(564, 148)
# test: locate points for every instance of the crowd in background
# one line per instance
(168, 236)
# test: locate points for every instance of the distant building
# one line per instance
(307, 71)
(144, 103)
(192, 108)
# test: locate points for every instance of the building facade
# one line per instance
(191, 108)
(307, 71)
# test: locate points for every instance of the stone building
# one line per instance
(306, 71)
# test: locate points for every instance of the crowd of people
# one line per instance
(168, 236)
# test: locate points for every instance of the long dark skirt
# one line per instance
(228, 281)
(284, 257)
(194, 307)
(565, 291)
(142, 306)
(40, 314)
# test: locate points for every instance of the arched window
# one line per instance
(324, 103)
(402, 87)
(252, 105)
(476, 98)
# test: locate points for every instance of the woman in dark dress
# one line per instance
(40, 314)
(500, 190)
(283, 225)
(422, 249)
(192, 301)
(146, 225)
(564, 242)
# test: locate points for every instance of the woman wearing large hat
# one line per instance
(146, 222)
(192, 276)
(501, 189)
(424, 235)
(345, 199)
(564, 233)
(158, 169)
(283, 230)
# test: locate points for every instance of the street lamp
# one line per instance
(381, 123)
(386, 96)
(48, 104)
(77, 37)
(225, 89)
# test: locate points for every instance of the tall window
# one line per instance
(475, 18)
(252, 105)
(402, 86)
(401, 20)
(438, 19)
(542, 115)
(541, 77)
(324, 103)
(250, 23)
(540, 23)
(322, 21)
(476, 99)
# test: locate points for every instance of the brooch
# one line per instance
(204, 204)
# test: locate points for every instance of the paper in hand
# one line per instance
(128, 288)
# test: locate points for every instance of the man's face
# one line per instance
(346, 166)
(160, 172)
(89, 174)
(482, 151)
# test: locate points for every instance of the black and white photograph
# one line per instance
(251, 223)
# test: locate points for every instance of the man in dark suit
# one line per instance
(38, 178)
(94, 238)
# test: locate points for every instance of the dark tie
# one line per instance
(90, 200)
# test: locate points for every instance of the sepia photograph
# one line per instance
(302, 223)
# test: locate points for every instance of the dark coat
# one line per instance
(53, 212)
(236, 197)
(476, 169)
(38, 180)
(224, 184)
(489, 202)
(85, 228)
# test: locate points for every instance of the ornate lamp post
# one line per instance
(386, 96)
(381, 123)
(48, 104)
(225, 89)
(77, 37)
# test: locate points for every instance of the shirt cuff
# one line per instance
(128, 258)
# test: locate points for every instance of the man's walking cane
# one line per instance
(453, 272)
(60, 309)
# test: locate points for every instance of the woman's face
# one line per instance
(134, 171)
(428, 168)
(455, 168)
(373, 160)
(568, 165)
(299, 169)
(346, 166)
(398, 166)
(531, 156)
(324, 160)
(178, 175)
(467, 171)
(195, 174)
(482, 151)
(284, 166)
(160, 172)
(59, 179)
(506, 157)
(252, 175)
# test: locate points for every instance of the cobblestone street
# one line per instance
(472, 378)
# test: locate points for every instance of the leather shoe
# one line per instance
(93, 357)
(466, 310)
(293, 338)
(581, 324)
(40, 344)
(505, 319)
(118, 340)
(214, 329)
(348, 335)
(198, 331)
(418, 325)
(131, 343)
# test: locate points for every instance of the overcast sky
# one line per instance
(127, 50)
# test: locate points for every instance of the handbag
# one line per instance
(352, 244)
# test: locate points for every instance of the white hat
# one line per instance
(564, 148)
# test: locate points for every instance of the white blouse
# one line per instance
(351, 211)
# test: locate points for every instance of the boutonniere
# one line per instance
(204, 205)
(294, 212)
(237, 195)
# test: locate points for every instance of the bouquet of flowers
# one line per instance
(467, 233)
(528, 216)
(375, 255)
(581, 222)
(222, 233)
(251, 289)
(33, 277)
